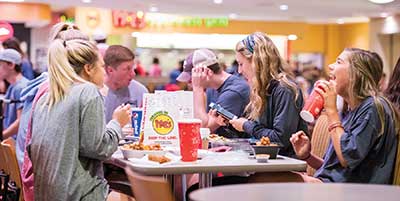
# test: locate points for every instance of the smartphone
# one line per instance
(223, 112)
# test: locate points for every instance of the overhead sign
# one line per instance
(139, 20)
(6, 31)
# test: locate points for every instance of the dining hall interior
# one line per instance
(199, 100)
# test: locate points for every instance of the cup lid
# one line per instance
(307, 116)
(189, 121)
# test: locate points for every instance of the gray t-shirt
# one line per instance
(69, 143)
(133, 94)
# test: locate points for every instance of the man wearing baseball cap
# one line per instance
(201, 68)
(10, 70)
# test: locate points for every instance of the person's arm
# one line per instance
(13, 128)
(314, 161)
(286, 119)
(199, 77)
(230, 101)
(302, 147)
(336, 134)
(97, 140)
(199, 102)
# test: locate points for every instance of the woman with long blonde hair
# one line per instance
(68, 126)
(275, 100)
(363, 145)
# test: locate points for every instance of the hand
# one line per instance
(200, 76)
(238, 123)
(328, 91)
(301, 144)
(218, 119)
(122, 114)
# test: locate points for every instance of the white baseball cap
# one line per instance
(11, 55)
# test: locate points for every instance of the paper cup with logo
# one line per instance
(313, 106)
(204, 133)
(189, 137)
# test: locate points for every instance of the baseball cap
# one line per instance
(99, 35)
(200, 57)
(10, 55)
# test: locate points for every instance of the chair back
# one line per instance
(8, 147)
(396, 176)
(4, 178)
(149, 188)
(13, 192)
(3, 163)
(319, 139)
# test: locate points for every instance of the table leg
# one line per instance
(184, 188)
(205, 180)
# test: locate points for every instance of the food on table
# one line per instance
(159, 159)
(265, 141)
(215, 137)
(141, 146)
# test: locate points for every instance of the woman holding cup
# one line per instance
(363, 145)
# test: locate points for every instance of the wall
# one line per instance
(34, 14)
(385, 41)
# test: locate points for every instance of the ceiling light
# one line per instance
(12, 1)
(340, 21)
(153, 9)
(384, 15)
(381, 1)
(284, 7)
(233, 16)
(87, 1)
(218, 1)
(292, 37)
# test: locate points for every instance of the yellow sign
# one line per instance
(162, 123)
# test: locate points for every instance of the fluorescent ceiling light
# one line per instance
(87, 1)
(12, 1)
(384, 15)
(284, 7)
(292, 37)
(381, 1)
(153, 9)
(233, 16)
(218, 1)
(340, 21)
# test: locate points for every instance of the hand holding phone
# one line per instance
(223, 112)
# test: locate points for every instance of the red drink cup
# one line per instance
(189, 137)
(313, 106)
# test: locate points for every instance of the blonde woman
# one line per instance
(275, 100)
(69, 136)
(363, 145)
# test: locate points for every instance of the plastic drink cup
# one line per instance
(313, 106)
(189, 137)
(137, 114)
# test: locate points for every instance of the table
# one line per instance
(298, 192)
(228, 163)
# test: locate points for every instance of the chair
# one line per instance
(319, 139)
(147, 188)
(396, 176)
(13, 192)
(8, 148)
(4, 178)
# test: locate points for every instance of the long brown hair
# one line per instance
(268, 65)
(366, 70)
(393, 90)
